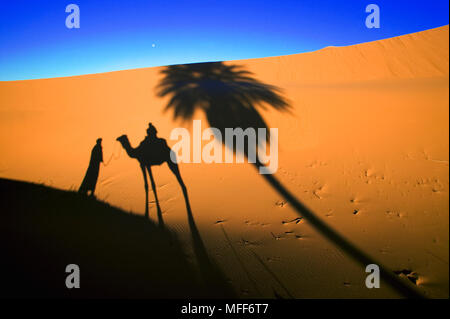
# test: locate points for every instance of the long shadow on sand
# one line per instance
(231, 97)
(120, 255)
(155, 151)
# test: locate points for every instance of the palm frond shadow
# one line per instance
(228, 94)
(231, 97)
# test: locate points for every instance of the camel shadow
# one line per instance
(155, 151)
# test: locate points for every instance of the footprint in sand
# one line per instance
(295, 220)
(321, 192)
(250, 223)
(409, 274)
(220, 221)
(277, 237)
(281, 203)
(246, 242)
(299, 237)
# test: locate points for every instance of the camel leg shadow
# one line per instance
(212, 275)
(158, 208)
(146, 190)
(174, 168)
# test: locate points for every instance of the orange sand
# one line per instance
(368, 134)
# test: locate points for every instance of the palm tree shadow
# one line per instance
(231, 97)
(228, 94)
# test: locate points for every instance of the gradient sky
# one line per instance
(118, 35)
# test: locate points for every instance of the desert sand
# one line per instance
(365, 146)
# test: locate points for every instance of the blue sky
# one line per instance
(118, 35)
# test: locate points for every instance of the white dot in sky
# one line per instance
(153, 45)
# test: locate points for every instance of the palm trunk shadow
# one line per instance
(358, 255)
(231, 97)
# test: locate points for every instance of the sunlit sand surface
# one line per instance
(365, 147)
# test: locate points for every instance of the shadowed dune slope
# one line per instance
(119, 254)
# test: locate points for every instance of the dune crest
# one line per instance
(418, 55)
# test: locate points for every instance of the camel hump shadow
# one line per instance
(155, 152)
(149, 152)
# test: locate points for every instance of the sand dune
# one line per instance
(366, 147)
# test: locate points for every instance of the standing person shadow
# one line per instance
(90, 179)
(153, 151)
